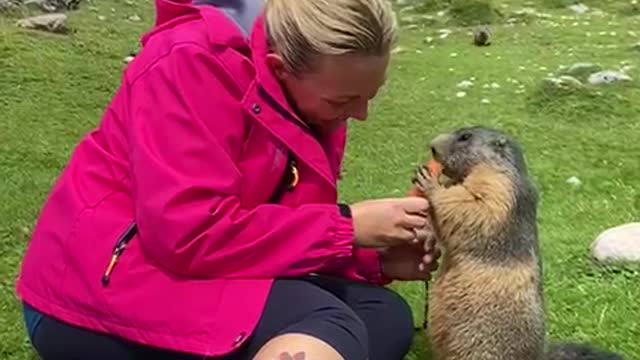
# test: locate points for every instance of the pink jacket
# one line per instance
(191, 148)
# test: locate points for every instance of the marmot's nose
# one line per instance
(439, 145)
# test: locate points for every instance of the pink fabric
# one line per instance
(191, 149)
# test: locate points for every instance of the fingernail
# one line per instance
(421, 267)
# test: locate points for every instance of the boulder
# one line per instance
(54, 23)
(620, 244)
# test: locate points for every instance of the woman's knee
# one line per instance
(297, 347)
(302, 308)
(339, 328)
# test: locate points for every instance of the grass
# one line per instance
(55, 88)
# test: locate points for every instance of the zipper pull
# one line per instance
(118, 249)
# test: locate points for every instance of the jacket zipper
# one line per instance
(118, 249)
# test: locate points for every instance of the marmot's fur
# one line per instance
(487, 301)
(482, 36)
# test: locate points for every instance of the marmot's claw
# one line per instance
(423, 179)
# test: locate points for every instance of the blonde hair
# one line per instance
(298, 30)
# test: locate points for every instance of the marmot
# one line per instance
(482, 36)
(486, 301)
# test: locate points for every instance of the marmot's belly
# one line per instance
(488, 315)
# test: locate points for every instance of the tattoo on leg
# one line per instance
(297, 356)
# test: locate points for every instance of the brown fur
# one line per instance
(481, 306)
(486, 302)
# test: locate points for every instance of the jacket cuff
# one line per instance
(369, 266)
(367, 260)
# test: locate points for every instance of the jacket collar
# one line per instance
(319, 153)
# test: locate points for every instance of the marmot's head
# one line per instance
(460, 151)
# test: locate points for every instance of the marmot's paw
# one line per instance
(423, 179)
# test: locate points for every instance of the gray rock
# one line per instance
(619, 244)
(54, 23)
(581, 70)
(608, 77)
(45, 5)
(563, 82)
(579, 8)
(8, 5)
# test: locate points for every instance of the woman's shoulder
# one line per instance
(199, 32)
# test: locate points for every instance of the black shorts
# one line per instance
(360, 321)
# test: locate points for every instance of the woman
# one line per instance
(200, 219)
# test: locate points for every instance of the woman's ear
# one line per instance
(276, 65)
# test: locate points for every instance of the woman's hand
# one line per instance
(389, 222)
(411, 261)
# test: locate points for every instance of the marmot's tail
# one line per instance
(574, 351)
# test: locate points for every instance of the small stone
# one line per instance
(620, 244)
(565, 83)
(574, 181)
(461, 94)
(581, 69)
(453, 54)
(128, 59)
(54, 23)
(579, 8)
(465, 84)
(608, 77)
(444, 33)
(134, 18)
(485, 101)
(102, 17)
(495, 85)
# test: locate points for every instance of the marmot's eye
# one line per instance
(464, 137)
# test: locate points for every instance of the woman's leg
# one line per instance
(386, 315)
(54, 340)
(304, 321)
(300, 321)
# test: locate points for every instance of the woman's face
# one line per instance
(338, 88)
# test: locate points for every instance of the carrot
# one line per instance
(435, 168)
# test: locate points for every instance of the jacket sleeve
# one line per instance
(184, 127)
